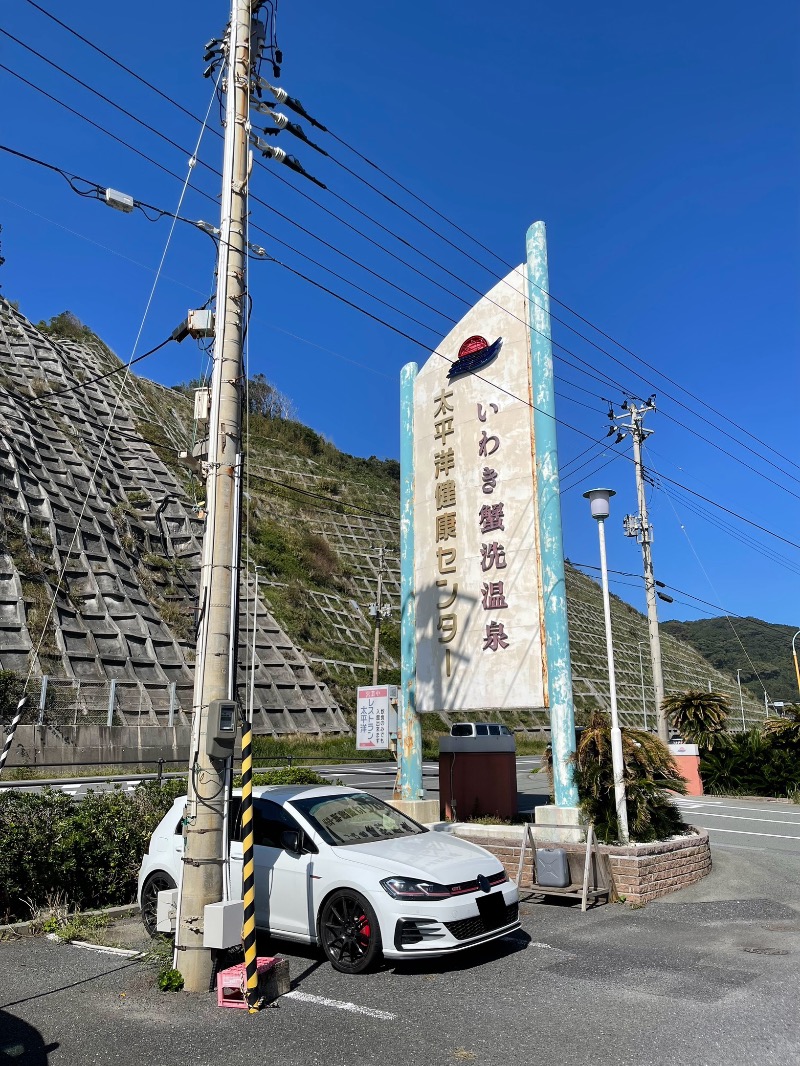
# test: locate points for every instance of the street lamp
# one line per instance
(598, 500)
(741, 701)
(253, 649)
(641, 677)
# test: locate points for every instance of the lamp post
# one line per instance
(641, 677)
(253, 647)
(794, 656)
(598, 500)
(741, 701)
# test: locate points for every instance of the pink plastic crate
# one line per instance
(231, 983)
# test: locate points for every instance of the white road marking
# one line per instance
(71, 790)
(737, 818)
(127, 952)
(748, 833)
(732, 807)
(340, 1004)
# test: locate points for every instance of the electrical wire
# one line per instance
(41, 397)
(110, 426)
(369, 314)
(460, 230)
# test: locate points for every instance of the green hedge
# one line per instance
(752, 764)
(86, 851)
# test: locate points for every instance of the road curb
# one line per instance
(20, 928)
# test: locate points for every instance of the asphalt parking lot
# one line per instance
(709, 981)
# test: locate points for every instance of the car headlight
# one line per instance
(412, 888)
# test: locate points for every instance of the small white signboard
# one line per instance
(376, 717)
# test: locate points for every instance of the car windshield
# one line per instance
(355, 818)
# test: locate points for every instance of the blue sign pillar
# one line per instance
(554, 596)
(410, 739)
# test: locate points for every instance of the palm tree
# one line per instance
(700, 717)
(787, 727)
(649, 772)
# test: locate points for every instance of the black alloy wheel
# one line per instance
(349, 932)
(155, 883)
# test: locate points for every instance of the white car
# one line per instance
(340, 868)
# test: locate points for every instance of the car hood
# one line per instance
(438, 856)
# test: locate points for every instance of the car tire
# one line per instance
(155, 883)
(349, 932)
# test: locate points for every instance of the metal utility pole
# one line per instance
(377, 609)
(202, 880)
(638, 526)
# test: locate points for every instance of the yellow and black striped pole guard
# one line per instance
(248, 871)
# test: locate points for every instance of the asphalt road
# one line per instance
(706, 983)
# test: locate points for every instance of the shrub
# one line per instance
(286, 775)
(649, 772)
(700, 717)
(754, 763)
(88, 850)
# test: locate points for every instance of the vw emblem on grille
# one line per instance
(483, 883)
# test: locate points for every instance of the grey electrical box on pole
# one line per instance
(221, 729)
(214, 713)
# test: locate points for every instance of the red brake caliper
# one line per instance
(365, 927)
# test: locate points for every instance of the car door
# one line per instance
(235, 822)
(284, 902)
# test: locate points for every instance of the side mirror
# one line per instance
(292, 841)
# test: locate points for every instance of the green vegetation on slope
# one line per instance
(769, 647)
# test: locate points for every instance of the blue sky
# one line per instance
(659, 145)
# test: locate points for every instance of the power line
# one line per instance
(349, 303)
(604, 379)
(464, 233)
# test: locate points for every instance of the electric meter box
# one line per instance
(222, 924)
(166, 908)
(221, 729)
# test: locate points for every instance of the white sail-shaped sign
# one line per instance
(477, 588)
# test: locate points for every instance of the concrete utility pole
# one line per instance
(202, 880)
(638, 526)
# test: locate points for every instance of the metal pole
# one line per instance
(43, 699)
(378, 606)
(741, 701)
(203, 858)
(253, 648)
(173, 701)
(616, 732)
(112, 699)
(409, 746)
(641, 676)
(794, 656)
(554, 594)
(11, 731)
(637, 433)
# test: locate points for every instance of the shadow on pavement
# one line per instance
(469, 959)
(21, 1044)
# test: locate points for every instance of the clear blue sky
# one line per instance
(660, 146)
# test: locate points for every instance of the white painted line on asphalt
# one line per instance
(339, 1004)
(71, 790)
(737, 818)
(748, 833)
(127, 952)
(732, 807)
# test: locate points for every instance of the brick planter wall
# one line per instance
(640, 872)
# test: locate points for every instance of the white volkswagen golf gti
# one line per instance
(340, 868)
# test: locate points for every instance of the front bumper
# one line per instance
(449, 926)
